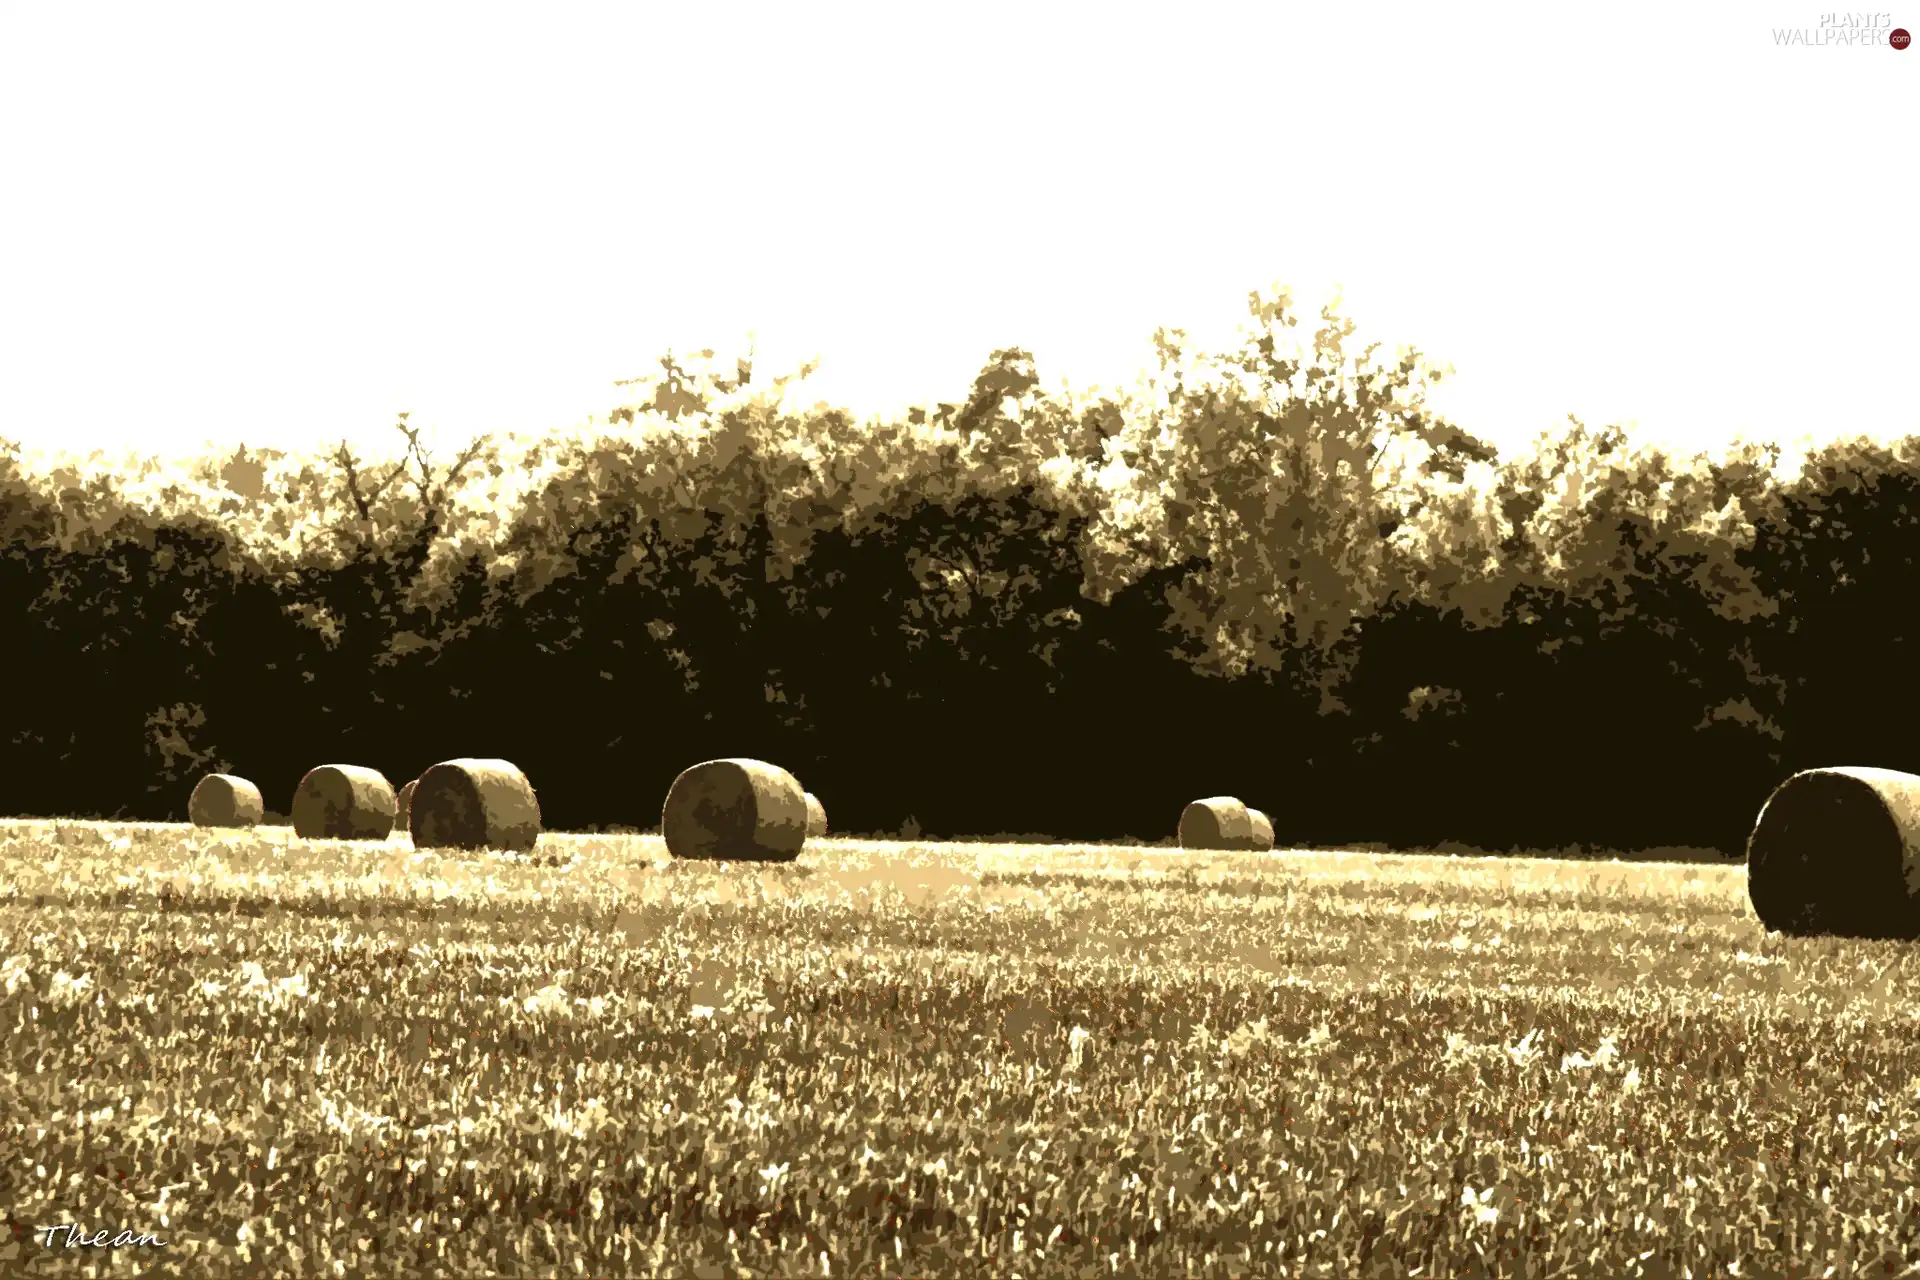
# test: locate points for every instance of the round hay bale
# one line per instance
(222, 800)
(736, 810)
(1837, 851)
(344, 802)
(474, 804)
(405, 802)
(1262, 830)
(816, 817)
(1219, 822)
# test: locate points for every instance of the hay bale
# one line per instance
(344, 802)
(405, 803)
(816, 817)
(474, 804)
(1837, 851)
(222, 800)
(744, 810)
(1219, 822)
(1262, 830)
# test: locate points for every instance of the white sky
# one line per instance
(284, 225)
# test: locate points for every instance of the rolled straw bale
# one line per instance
(475, 804)
(1837, 851)
(344, 802)
(1262, 830)
(736, 810)
(1219, 822)
(405, 802)
(222, 800)
(816, 817)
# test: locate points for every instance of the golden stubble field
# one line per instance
(333, 1059)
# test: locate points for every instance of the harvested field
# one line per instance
(1141, 1061)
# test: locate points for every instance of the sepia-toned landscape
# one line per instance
(825, 640)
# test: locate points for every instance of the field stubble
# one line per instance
(333, 1058)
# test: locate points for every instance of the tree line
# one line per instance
(1270, 572)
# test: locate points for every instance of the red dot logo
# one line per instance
(1900, 39)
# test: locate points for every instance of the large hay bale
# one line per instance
(1837, 851)
(1262, 830)
(405, 802)
(474, 804)
(222, 800)
(744, 810)
(816, 817)
(344, 802)
(1219, 823)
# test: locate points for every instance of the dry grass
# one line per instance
(344, 802)
(475, 804)
(735, 810)
(222, 800)
(938, 1059)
